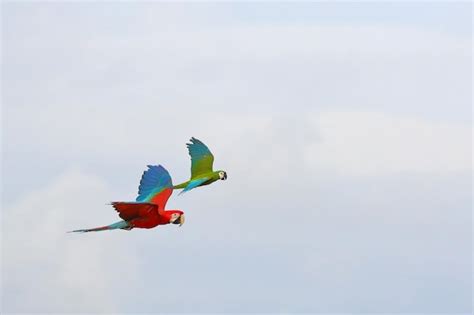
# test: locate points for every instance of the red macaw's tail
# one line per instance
(119, 225)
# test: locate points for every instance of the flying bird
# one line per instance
(148, 211)
(201, 167)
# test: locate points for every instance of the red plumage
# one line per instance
(149, 209)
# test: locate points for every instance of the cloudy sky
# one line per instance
(345, 129)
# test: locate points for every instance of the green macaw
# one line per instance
(201, 167)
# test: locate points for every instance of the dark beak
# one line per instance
(225, 176)
(179, 220)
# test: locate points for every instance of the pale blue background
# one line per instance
(345, 129)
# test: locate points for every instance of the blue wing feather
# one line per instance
(197, 148)
(153, 181)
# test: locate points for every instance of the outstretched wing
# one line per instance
(155, 187)
(201, 157)
(133, 210)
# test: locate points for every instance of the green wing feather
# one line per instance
(201, 158)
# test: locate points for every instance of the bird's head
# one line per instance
(222, 175)
(177, 217)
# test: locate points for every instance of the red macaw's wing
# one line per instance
(160, 199)
(133, 210)
(155, 186)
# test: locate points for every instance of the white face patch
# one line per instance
(222, 175)
(174, 217)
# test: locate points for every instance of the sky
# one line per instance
(345, 129)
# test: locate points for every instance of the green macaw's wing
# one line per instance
(201, 158)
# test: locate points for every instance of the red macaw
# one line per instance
(148, 211)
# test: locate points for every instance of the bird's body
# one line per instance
(201, 167)
(204, 179)
(148, 211)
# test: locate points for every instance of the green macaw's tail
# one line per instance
(119, 225)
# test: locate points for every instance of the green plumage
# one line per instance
(201, 167)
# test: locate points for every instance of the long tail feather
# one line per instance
(119, 225)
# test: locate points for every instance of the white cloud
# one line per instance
(367, 143)
(47, 270)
